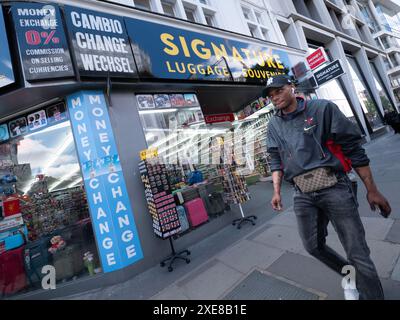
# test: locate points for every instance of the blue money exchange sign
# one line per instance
(110, 209)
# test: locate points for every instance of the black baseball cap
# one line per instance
(276, 82)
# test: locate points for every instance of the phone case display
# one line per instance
(4, 135)
(145, 101)
(57, 113)
(235, 187)
(51, 211)
(18, 127)
(37, 120)
(162, 101)
(177, 100)
(160, 199)
(176, 175)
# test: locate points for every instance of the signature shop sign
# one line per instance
(167, 52)
(42, 43)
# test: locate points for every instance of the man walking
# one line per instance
(313, 145)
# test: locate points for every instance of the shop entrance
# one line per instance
(220, 158)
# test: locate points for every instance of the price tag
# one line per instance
(149, 153)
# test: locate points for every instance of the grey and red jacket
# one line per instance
(316, 135)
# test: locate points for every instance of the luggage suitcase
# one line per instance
(12, 271)
(190, 194)
(217, 204)
(196, 212)
(213, 201)
(182, 218)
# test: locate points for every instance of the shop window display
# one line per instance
(44, 216)
(195, 153)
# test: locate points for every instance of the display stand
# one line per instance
(236, 192)
(174, 256)
(161, 203)
(243, 219)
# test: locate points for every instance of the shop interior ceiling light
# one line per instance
(67, 142)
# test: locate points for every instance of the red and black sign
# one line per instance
(218, 118)
(317, 58)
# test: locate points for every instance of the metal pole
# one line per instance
(241, 210)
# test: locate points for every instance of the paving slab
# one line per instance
(396, 271)
(287, 219)
(383, 254)
(377, 228)
(215, 279)
(281, 237)
(247, 255)
(394, 233)
(170, 293)
(391, 289)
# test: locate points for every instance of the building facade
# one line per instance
(116, 115)
(362, 34)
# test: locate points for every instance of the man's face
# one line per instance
(281, 97)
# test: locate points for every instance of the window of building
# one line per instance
(256, 23)
(190, 14)
(265, 34)
(210, 19)
(168, 8)
(247, 14)
(43, 198)
(143, 4)
(125, 2)
(253, 31)
(259, 18)
(367, 102)
(203, 2)
(387, 105)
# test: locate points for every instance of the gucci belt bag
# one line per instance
(314, 180)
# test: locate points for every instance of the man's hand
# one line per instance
(376, 199)
(276, 202)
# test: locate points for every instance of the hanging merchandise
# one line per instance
(160, 199)
(235, 187)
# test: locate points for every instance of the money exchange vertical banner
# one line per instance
(110, 209)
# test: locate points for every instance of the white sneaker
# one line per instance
(351, 294)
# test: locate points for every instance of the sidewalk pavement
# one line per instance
(269, 261)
